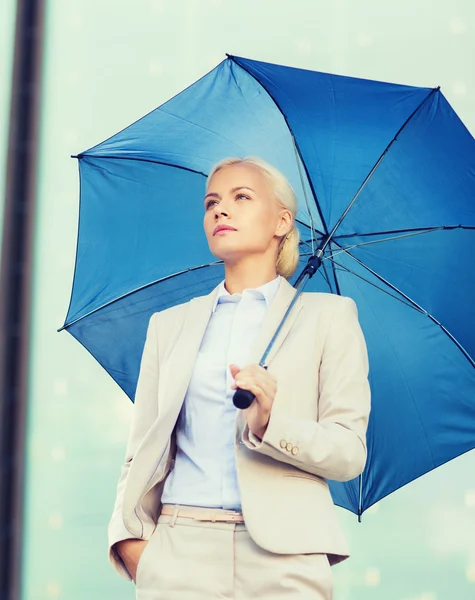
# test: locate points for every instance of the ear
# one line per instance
(285, 223)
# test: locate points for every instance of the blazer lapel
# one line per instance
(272, 320)
(182, 359)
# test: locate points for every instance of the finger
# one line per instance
(265, 377)
(254, 389)
(264, 400)
(255, 368)
(257, 372)
(234, 369)
(268, 385)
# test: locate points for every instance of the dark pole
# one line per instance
(15, 285)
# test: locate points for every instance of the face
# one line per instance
(239, 197)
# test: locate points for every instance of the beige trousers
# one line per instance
(187, 559)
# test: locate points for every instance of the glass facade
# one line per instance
(106, 64)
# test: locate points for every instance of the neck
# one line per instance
(248, 273)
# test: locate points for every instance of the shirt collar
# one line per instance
(267, 291)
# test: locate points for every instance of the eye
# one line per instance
(242, 196)
(209, 203)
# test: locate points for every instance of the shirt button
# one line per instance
(289, 446)
(295, 450)
(283, 443)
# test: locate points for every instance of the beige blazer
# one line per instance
(316, 431)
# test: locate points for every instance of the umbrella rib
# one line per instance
(326, 277)
(308, 226)
(360, 496)
(396, 237)
(369, 233)
(137, 158)
(139, 289)
(307, 244)
(373, 284)
(415, 305)
(312, 226)
(378, 162)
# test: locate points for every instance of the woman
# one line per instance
(238, 505)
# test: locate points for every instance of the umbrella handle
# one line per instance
(244, 398)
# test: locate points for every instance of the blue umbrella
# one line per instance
(385, 177)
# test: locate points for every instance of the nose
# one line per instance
(219, 210)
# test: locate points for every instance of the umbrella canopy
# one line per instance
(384, 173)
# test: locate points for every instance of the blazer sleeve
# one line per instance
(334, 445)
(145, 411)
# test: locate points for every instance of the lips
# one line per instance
(219, 228)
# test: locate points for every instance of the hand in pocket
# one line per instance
(131, 551)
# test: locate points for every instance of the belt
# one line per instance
(202, 513)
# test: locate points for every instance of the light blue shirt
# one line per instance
(205, 467)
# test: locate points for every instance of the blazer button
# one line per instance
(295, 450)
(283, 443)
(289, 447)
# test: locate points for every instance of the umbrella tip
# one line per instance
(229, 55)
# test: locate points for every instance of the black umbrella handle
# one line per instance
(244, 398)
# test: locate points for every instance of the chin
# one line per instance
(222, 249)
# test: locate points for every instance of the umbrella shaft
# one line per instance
(311, 268)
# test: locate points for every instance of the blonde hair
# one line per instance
(288, 253)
